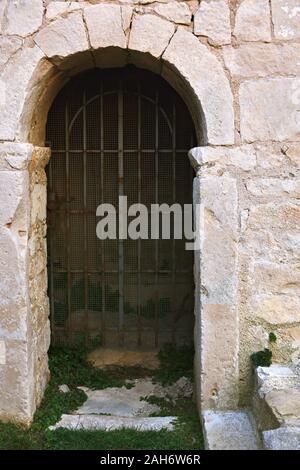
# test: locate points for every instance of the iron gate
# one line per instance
(117, 132)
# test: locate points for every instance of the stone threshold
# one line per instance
(276, 406)
(229, 430)
(93, 422)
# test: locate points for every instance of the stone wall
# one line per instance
(24, 330)
(236, 64)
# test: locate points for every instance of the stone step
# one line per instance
(277, 397)
(92, 422)
(229, 430)
(284, 438)
(276, 406)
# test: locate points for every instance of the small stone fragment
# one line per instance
(64, 388)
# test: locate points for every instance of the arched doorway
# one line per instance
(112, 133)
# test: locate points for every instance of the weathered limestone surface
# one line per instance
(21, 18)
(243, 157)
(213, 21)
(184, 50)
(270, 109)
(8, 47)
(261, 60)
(104, 23)
(282, 439)
(216, 266)
(15, 375)
(24, 321)
(272, 232)
(286, 17)
(276, 405)
(285, 405)
(37, 272)
(113, 423)
(275, 187)
(13, 94)
(144, 36)
(55, 9)
(63, 38)
(277, 309)
(253, 22)
(292, 151)
(173, 11)
(229, 430)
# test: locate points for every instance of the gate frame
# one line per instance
(198, 76)
(178, 109)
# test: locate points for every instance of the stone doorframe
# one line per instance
(98, 36)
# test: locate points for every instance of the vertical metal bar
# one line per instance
(121, 193)
(173, 303)
(156, 324)
(50, 236)
(139, 201)
(85, 247)
(103, 328)
(69, 275)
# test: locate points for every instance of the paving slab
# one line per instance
(92, 422)
(121, 401)
(284, 438)
(229, 430)
(125, 407)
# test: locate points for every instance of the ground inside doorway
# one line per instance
(70, 367)
(137, 405)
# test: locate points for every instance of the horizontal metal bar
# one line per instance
(148, 271)
(168, 150)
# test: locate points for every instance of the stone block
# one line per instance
(8, 47)
(150, 34)
(212, 20)
(292, 151)
(269, 109)
(283, 217)
(252, 21)
(204, 74)
(219, 388)
(14, 206)
(16, 403)
(261, 60)
(285, 438)
(113, 423)
(272, 233)
(277, 309)
(274, 187)
(55, 9)
(173, 11)
(22, 67)
(104, 24)
(22, 19)
(15, 156)
(276, 278)
(286, 18)
(229, 430)
(243, 157)
(38, 199)
(63, 38)
(285, 404)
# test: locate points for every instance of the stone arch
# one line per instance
(108, 35)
